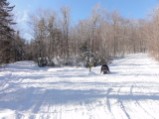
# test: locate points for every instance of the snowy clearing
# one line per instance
(131, 91)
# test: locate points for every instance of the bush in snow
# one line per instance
(42, 61)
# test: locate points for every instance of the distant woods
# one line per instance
(152, 34)
(92, 41)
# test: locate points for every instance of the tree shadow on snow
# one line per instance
(34, 98)
(23, 99)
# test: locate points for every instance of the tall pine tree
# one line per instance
(6, 32)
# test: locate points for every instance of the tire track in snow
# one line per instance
(120, 101)
(142, 89)
(108, 102)
(5, 81)
(138, 104)
(146, 112)
(122, 106)
(139, 76)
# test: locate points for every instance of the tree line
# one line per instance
(92, 41)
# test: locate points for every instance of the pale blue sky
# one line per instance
(82, 8)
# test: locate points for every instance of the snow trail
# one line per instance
(131, 91)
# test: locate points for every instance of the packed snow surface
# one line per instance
(131, 91)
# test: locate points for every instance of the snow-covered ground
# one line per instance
(131, 91)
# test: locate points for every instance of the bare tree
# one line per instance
(65, 30)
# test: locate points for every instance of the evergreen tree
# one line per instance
(6, 31)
